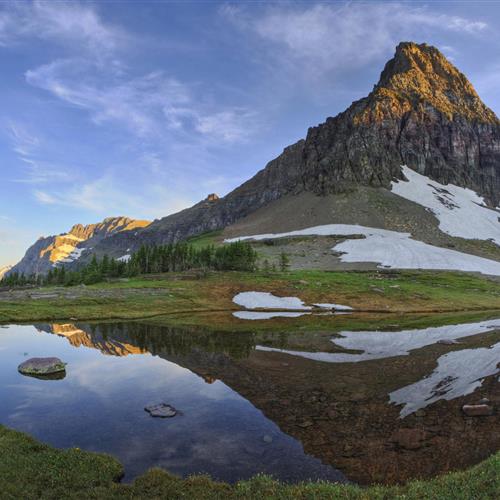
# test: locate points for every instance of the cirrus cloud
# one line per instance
(324, 37)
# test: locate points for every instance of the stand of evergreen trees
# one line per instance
(237, 256)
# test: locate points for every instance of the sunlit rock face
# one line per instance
(4, 270)
(92, 338)
(422, 113)
(69, 247)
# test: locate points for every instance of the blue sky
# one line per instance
(143, 108)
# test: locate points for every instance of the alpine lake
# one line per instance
(349, 398)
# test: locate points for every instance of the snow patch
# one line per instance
(390, 249)
(256, 315)
(77, 253)
(460, 211)
(458, 373)
(380, 345)
(266, 300)
(124, 258)
(74, 255)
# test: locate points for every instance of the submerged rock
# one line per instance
(482, 410)
(161, 410)
(43, 367)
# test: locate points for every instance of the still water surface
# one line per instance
(374, 405)
(99, 406)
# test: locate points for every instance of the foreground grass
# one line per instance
(29, 469)
(154, 295)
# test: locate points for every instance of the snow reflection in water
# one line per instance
(379, 345)
(458, 373)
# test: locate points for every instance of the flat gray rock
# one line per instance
(161, 410)
(42, 366)
(482, 410)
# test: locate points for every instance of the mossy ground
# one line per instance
(29, 469)
(155, 295)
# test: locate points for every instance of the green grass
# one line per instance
(205, 239)
(29, 470)
(165, 294)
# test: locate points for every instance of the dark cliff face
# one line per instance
(423, 113)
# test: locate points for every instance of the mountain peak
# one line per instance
(419, 75)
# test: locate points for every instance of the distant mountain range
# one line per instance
(423, 116)
(69, 247)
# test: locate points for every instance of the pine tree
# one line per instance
(284, 262)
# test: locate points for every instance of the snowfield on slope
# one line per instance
(460, 211)
(381, 345)
(390, 249)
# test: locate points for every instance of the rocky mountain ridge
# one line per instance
(66, 248)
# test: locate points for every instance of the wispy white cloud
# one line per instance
(34, 170)
(325, 37)
(136, 103)
(44, 198)
(233, 125)
(99, 195)
(107, 195)
(24, 143)
(62, 22)
(148, 105)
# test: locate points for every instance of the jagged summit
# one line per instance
(108, 225)
(420, 75)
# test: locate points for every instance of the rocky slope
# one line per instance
(422, 113)
(50, 251)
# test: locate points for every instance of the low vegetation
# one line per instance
(175, 257)
(29, 469)
(195, 292)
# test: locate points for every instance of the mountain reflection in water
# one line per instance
(261, 404)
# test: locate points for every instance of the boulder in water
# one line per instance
(42, 367)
